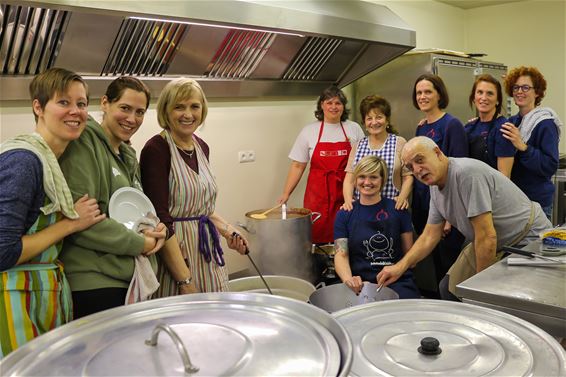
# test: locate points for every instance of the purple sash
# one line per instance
(203, 222)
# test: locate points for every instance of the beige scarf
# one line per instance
(54, 182)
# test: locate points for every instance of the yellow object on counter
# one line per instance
(559, 233)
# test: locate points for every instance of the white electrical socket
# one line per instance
(251, 156)
(246, 156)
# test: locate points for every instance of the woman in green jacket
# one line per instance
(100, 261)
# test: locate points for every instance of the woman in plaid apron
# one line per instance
(382, 141)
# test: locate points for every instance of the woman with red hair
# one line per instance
(535, 132)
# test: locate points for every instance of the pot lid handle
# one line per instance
(429, 346)
(189, 367)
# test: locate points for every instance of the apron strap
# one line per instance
(527, 228)
(204, 222)
(35, 267)
(322, 128)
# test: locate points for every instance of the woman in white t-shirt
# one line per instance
(327, 145)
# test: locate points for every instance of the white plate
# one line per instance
(127, 205)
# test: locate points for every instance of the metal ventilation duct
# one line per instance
(234, 48)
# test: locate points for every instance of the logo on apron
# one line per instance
(382, 215)
(379, 249)
(338, 153)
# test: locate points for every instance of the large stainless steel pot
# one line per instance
(440, 338)
(336, 297)
(212, 334)
(286, 286)
(283, 246)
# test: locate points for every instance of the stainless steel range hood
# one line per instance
(234, 48)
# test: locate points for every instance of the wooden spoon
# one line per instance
(263, 215)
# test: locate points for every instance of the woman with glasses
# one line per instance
(535, 132)
(486, 142)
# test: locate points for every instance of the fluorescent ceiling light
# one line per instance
(214, 25)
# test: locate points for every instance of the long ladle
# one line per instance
(258, 272)
(263, 215)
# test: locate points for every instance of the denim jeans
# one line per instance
(548, 211)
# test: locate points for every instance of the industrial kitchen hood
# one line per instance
(233, 48)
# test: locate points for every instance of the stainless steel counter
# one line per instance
(559, 206)
(534, 293)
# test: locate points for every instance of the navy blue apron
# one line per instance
(377, 243)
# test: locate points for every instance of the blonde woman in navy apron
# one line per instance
(373, 234)
(327, 145)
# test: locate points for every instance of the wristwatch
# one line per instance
(187, 281)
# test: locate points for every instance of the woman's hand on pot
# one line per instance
(237, 242)
(355, 284)
(283, 199)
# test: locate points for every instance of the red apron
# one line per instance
(324, 186)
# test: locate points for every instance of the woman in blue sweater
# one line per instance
(535, 132)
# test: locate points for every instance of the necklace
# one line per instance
(189, 153)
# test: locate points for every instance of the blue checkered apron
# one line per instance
(387, 153)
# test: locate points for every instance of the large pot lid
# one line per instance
(429, 337)
(223, 333)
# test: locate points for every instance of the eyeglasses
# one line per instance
(524, 88)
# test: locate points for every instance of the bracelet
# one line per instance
(187, 281)
(226, 226)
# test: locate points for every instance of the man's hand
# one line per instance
(390, 274)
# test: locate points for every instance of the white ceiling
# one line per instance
(468, 4)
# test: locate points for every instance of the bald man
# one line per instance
(481, 202)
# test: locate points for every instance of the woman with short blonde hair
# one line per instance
(178, 179)
(373, 234)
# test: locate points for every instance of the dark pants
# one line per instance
(97, 300)
(405, 286)
(447, 250)
(445, 294)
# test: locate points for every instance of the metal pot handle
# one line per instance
(243, 226)
(189, 367)
(320, 285)
(315, 216)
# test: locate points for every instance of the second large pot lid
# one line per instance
(223, 333)
(430, 337)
